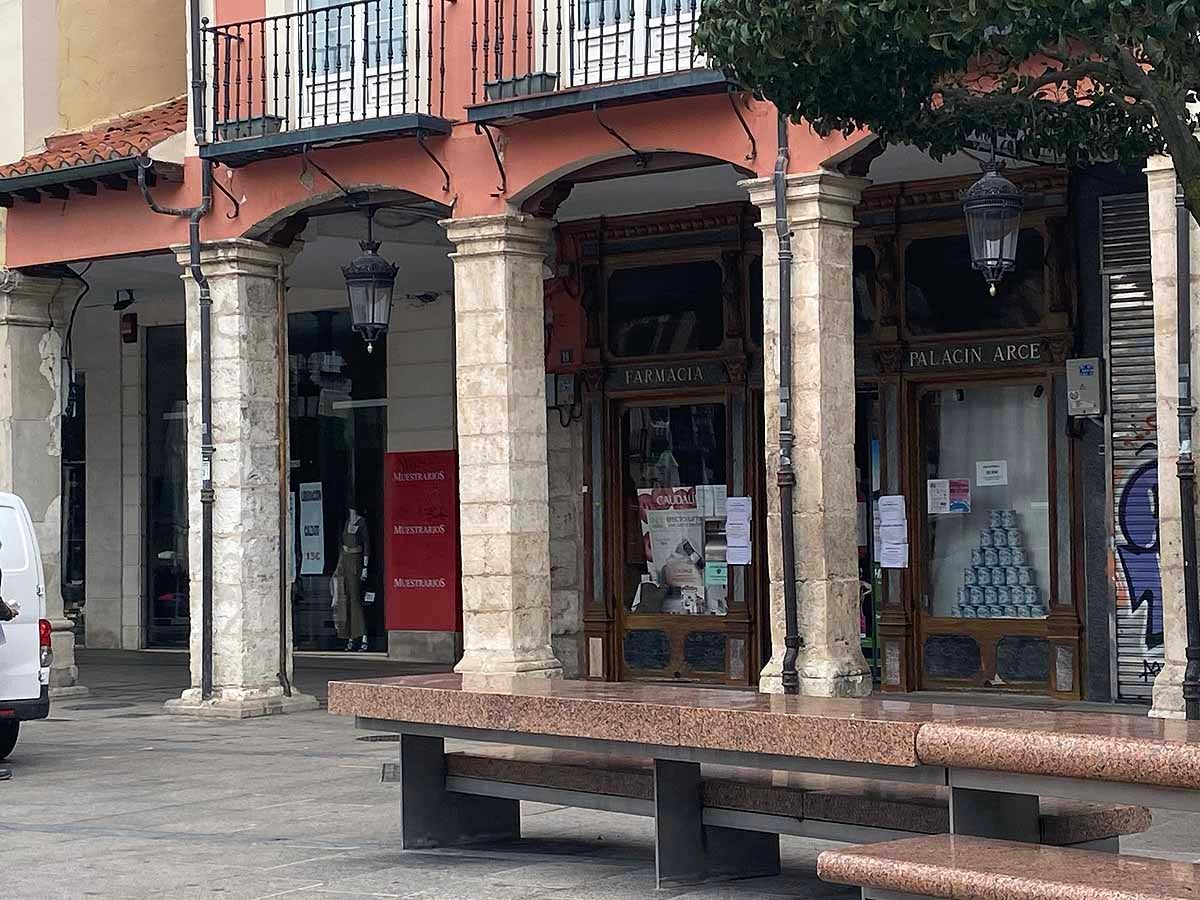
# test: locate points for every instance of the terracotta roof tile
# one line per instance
(119, 138)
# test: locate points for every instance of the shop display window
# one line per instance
(338, 417)
(168, 618)
(988, 505)
(675, 478)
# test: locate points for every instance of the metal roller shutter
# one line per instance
(1125, 264)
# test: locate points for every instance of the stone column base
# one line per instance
(239, 707)
(824, 676)
(68, 692)
(492, 662)
(64, 674)
(1168, 692)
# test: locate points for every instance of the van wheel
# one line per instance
(8, 737)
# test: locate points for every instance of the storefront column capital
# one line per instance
(507, 234)
(238, 257)
(29, 300)
(820, 196)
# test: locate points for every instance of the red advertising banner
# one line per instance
(422, 559)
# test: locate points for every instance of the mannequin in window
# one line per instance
(348, 582)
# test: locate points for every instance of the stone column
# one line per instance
(820, 211)
(244, 279)
(1160, 177)
(31, 344)
(501, 400)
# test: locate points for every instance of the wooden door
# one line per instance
(677, 615)
(984, 558)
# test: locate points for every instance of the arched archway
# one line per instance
(544, 196)
(283, 225)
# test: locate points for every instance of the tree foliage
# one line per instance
(1082, 80)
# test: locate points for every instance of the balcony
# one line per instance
(535, 58)
(334, 73)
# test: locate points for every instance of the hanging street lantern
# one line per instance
(993, 207)
(370, 280)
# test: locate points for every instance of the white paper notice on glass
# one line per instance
(737, 534)
(937, 492)
(710, 498)
(312, 529)
(991, 473)
(894, 556)
(893, 534)
(738, 509)
(737, 556)
(891, 509)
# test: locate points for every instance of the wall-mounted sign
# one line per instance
(977, 354)
(422, 560)
(664, 377)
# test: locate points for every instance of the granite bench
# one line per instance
(958, 867)
(852, 810)
(996, 768)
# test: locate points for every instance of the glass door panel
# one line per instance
(167, 585)
(987, 516)
(674, 584)
(338, 427)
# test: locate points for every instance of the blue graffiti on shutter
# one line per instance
(1137, 519)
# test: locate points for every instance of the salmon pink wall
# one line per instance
(535, 154)
(239, 10)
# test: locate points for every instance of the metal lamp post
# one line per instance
(370, 281)
(992, 206)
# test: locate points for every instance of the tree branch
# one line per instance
(1173, 123)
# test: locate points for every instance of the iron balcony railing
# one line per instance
(524, 47)
(330, 64)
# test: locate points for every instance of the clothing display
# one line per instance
(349, 577)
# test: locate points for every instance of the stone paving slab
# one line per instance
(292, 807)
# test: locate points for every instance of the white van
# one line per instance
(25, 640)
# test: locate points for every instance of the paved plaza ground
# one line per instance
(112, 799)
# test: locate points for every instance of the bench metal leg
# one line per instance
(431, 816)
(995, 814)
(688, 852)
(733, 853)
(1103, 845)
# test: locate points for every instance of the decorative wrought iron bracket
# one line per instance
(737, 111)
(309, 161)
(437, 162)
(237, 207)
(643, 159)
(502, 188)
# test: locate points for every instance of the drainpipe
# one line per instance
(787, 477)
(1186, 466)
(194, 215)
